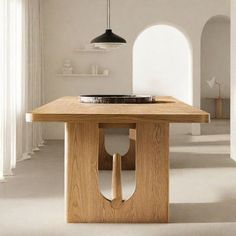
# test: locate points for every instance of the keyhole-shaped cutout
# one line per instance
(118, 153)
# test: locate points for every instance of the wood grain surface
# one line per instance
(165, 109)
(85, 203)
(117, 198)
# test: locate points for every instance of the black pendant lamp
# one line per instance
(108, 39)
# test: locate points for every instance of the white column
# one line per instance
(196, 51)
(233, 79)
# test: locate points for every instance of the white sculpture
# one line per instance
(212, 82)
(106, 72)
(67, 67)
(94, 69)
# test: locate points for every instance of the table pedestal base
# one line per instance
(84, 201)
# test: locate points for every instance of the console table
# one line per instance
(221, 106)
(148, 155)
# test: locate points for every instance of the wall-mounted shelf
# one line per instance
(68, 68)
(84, 50)
(82, 75)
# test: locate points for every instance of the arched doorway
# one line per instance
(215, 74)
(162, 65)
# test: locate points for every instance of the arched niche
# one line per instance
(215, 63)
(162, 63)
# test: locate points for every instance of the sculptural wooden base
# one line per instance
(85, 152)
(84, 201)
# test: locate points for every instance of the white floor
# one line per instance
(202, 192)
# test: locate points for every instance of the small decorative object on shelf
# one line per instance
(106, 72)
(67, 68)
(68, 71)
(94, 69)
(84, 75)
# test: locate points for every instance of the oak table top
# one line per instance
(164, 109)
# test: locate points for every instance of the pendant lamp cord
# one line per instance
(108, 14)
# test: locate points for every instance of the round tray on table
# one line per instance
(117, 99)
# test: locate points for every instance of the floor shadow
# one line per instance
(196, 160)
(207, 143)
(216, 126)
(224, 211)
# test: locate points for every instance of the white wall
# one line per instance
(70, 23)
(162, 63)
(233, 79)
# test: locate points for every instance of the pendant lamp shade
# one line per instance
(108, 39)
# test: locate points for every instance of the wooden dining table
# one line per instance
(85, 156)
